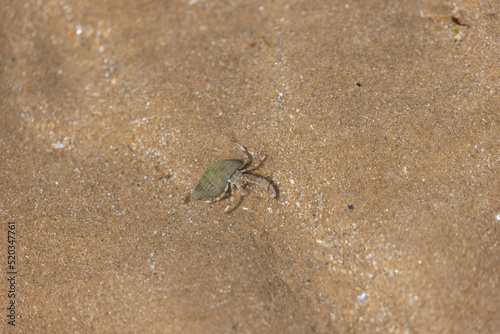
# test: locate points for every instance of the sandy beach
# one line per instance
(380, 123)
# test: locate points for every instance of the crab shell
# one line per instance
(215, 179)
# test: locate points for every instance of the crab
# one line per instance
(225, 177)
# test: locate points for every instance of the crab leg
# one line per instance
(233, 194)
(248, 157)
(254, 165)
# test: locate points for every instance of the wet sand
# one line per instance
(380, 121)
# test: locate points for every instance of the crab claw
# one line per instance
(271, 190)
(262, 182)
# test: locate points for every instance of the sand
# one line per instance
(380, 122)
